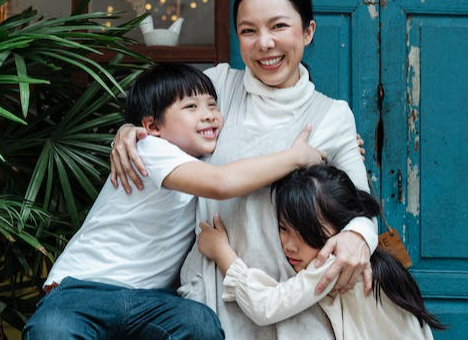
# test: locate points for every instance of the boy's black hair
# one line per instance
(311, 197)
(158, 88)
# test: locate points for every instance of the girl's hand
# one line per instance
(213, 242)
(123, 154)
(307, 154)
(352, 259)
(360, 143)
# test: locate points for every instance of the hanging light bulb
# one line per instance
(174, 17)
(148, 7)
(205, 1)
(193, 5)
(110, 9)
(108, 24)
(164, 17)
(162, 1)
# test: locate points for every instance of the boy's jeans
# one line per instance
(88, 310)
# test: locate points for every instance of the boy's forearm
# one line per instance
(247, 175)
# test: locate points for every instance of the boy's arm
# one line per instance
(266, 301)
(243, 176)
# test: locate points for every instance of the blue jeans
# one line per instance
(88, 310)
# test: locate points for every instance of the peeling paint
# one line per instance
(416, 144)
(403, 234)
(372, 11)
(374, 178)
(413, 206)
(412, 120)
(414, 64)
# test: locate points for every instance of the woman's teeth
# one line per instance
(270, 61)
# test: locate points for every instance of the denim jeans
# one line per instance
(88, 310)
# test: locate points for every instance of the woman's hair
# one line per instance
(303, 7)
(160, 87)
(315, 199)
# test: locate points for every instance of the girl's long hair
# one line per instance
(312, 198)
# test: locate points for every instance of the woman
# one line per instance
(264, 107)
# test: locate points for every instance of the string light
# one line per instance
(193, 5)
(148, 7)
(205, 1)
(110, 9)
(174, 17)
(162, 1)
(164, 17)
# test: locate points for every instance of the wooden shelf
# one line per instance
(176, 54)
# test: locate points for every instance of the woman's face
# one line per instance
(272, 40)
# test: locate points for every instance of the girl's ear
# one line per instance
(150, 125)
(309, 33)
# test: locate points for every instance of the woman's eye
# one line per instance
(282, 229)
(246, 31)
(280, 25)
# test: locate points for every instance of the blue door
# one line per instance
(424, 167)
(403, 67)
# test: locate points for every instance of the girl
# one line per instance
(312, 205)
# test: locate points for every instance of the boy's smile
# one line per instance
(193, 124)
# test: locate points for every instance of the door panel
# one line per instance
(425, 74)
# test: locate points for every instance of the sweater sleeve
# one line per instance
(348, 159)
(265, 300)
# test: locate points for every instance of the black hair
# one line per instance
(312, 199)
(158, 88)
(303, 7)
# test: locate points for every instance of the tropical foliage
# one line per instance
(58, 109)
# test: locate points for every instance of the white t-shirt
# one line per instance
(138, 240)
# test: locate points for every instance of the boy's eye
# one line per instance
(213, 104)
(190, 106)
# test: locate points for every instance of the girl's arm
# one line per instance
(261, 298)
(243, 176)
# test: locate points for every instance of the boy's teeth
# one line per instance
(207, 132)
(270, 61)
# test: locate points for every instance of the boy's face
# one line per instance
(193, 124)
(298, 252)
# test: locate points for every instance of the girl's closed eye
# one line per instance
(280, 25)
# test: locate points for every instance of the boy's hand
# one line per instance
(123, 154)
(307, 154)
(214, 244)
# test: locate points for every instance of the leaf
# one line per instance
(11, 79)
(79, 65)
(24, 87)
(11, 116)
(66, 190)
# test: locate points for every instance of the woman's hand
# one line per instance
(307, 154)
(123, 154)
(360, 143)
(352, 259)
(213, 242)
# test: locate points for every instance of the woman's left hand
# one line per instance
(360, 143)
(352, 260)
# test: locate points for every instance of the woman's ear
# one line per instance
(150, 125)
(309, 33)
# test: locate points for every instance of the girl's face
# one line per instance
(193, 124)
(272, 40)
(298, 253)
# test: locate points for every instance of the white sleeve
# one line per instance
(348, 159)
(161, 158)
(265, 300)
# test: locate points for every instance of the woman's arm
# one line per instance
(353, 246)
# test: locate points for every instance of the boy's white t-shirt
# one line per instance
(138, 240)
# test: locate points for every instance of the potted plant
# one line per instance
(58, 110)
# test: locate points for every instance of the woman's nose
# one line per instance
(265, 41)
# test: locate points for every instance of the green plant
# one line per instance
(58, 110)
